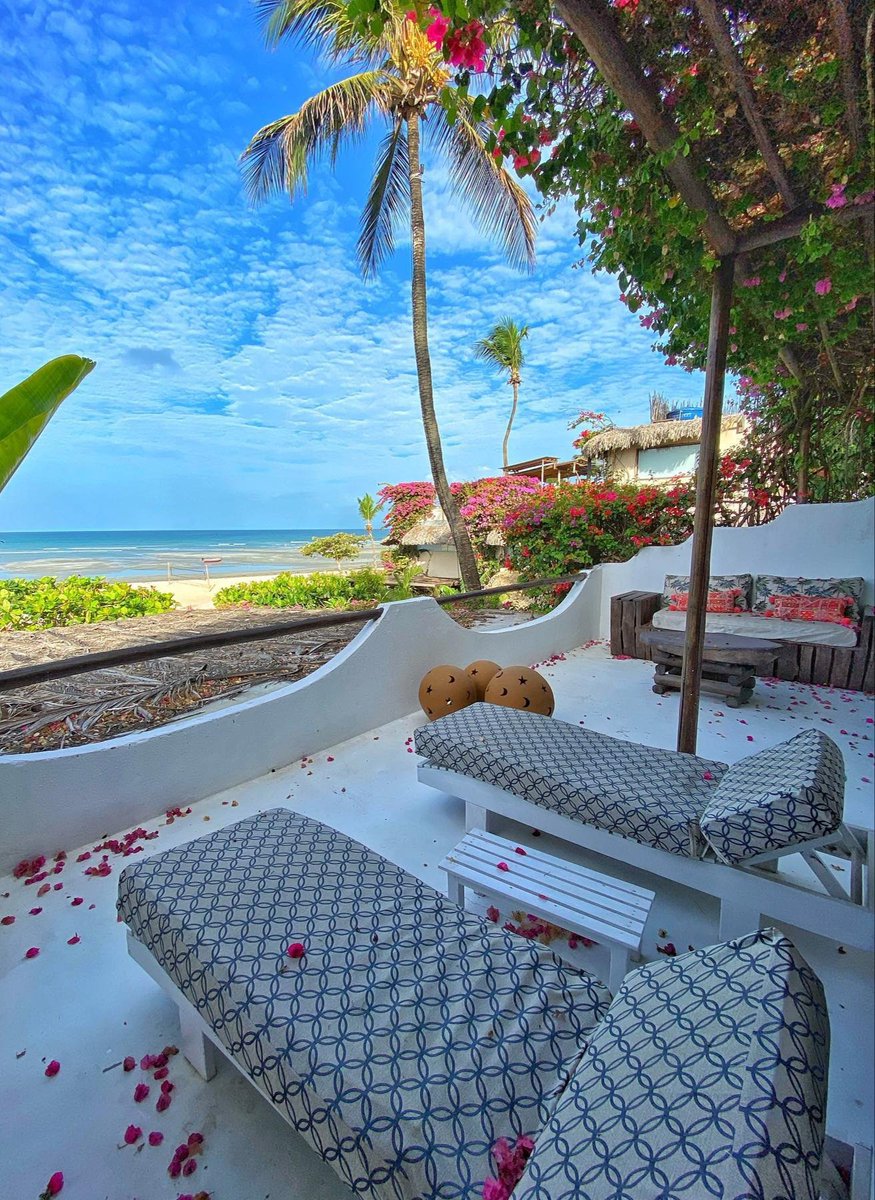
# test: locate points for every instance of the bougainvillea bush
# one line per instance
(47, 602)
(568, 527)
(483, 504)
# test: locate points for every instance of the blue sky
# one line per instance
(246, 375)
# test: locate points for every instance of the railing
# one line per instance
(102, 659)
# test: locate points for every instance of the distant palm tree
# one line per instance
(401, 83)
(504, 349)
(369, 510)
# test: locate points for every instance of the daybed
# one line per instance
(714, 828)
(839, 652)
(411, 1035)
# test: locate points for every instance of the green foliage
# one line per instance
(338, 546)
(27, 408)
(322, 589)
(503, 348)
(48, 602)
(369, 509)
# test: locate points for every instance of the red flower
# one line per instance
(77, 900)
(7, 920)
(53, 1068)
(520, 850)
(492, 914)
(129, 1063)
(296, 950)
(164, 1102)
(54, 1187)
(32, 952)
(668, 949)
(502, 866)
(141, 1091)
(133, 1133)
(156, 1138)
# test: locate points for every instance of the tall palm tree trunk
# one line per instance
(515, 384)
(464, 549)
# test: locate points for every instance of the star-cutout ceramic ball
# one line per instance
(443, 690)
(479, 674)
(523, 688)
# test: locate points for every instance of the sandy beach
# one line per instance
(197, 593)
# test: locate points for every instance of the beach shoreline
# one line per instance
(198, 593)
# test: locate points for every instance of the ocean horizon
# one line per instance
(159, 554)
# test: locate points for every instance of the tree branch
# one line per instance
(791, 225)
(597, 29)
(729, 56)
(844, 37)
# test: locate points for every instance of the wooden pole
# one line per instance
(703, 524)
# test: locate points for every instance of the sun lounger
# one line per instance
(682, 817)
(411, 1035)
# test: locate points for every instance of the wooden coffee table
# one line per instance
(729, 662)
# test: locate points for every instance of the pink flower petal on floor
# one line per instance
(502, 866)
(492, 914)
(520, 850)
(46, 887)
(167, 1087)
(195, 1139)
(668, 949)
(156, 1138)
(53, 1068)
(35, 912)
(161, 1073)
(141, 1091)
(32, 952)
(74, 940)
(133, 1133)
(55, 1185)
(7, 920)
(750, 737)
(296, 950)
(190, 1167)
(164, 1101)
(707, 775)
(129, 1063)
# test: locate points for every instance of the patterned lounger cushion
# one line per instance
(649, 795)
(707, 1078)
(409, 1039)
(782, 796)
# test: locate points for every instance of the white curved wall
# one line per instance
(63, 798)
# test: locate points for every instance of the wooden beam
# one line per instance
(719, 33)
(596, 27)
(703, 522)
(767, 233)
(844, 39)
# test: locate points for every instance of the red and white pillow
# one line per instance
(721, 600)
(800, 607)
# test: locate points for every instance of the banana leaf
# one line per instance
(27, 408)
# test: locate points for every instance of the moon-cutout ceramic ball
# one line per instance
(479, 674)
(443, 690)
(523, 688)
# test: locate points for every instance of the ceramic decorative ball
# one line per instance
(479, 673)
(443, 690)
(521, 687)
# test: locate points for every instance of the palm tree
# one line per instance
(369, 510)
(504, 349)
(400, 83)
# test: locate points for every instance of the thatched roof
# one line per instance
(434, 530)
(652, 436)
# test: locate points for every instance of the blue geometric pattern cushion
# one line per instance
(409, 1038)
(780, 797)
(707, 1079)
(640, 792)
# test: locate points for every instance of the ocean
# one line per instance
(161, 554)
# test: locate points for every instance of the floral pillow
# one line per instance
(811, 608)
(680, 585)
(770, 586)
(725, 600)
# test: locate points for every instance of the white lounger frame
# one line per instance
(746, 893)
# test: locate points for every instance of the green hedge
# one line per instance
(47, 602)
(322, 589)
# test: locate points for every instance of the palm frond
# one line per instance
(389, 194)
(279, 155)
(503, 347)
(499, 205)
(323, 24)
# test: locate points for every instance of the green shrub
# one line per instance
(322, 589)
(47, 602)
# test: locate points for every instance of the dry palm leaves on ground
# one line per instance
(97, 705)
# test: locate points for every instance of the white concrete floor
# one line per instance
(88, 1005)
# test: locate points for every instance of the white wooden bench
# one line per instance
(577, 899)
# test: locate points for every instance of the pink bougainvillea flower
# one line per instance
(133, 1133)
(493, 1190)
(164, 1102)
(296, 950)
(437, 30)
(801, 327)
(195, 1139)
(47, 887)
(32, 952)
(783, 313)
(54, 1187)
(74, 940)
(707, 775)
(837, 198)
(7, 920)
(161, 1073)
(190, 1166)
(129, 1063)
(502, 866)
(668, 949)
(520, 850)
(84, 856)
(76, 901)
(34, 912)
(413, 15)
(492, 914)
(823, 286)
(156, 1138)
(141, 1091)
(753, 282)
(53, 1068)
(167, 1087)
